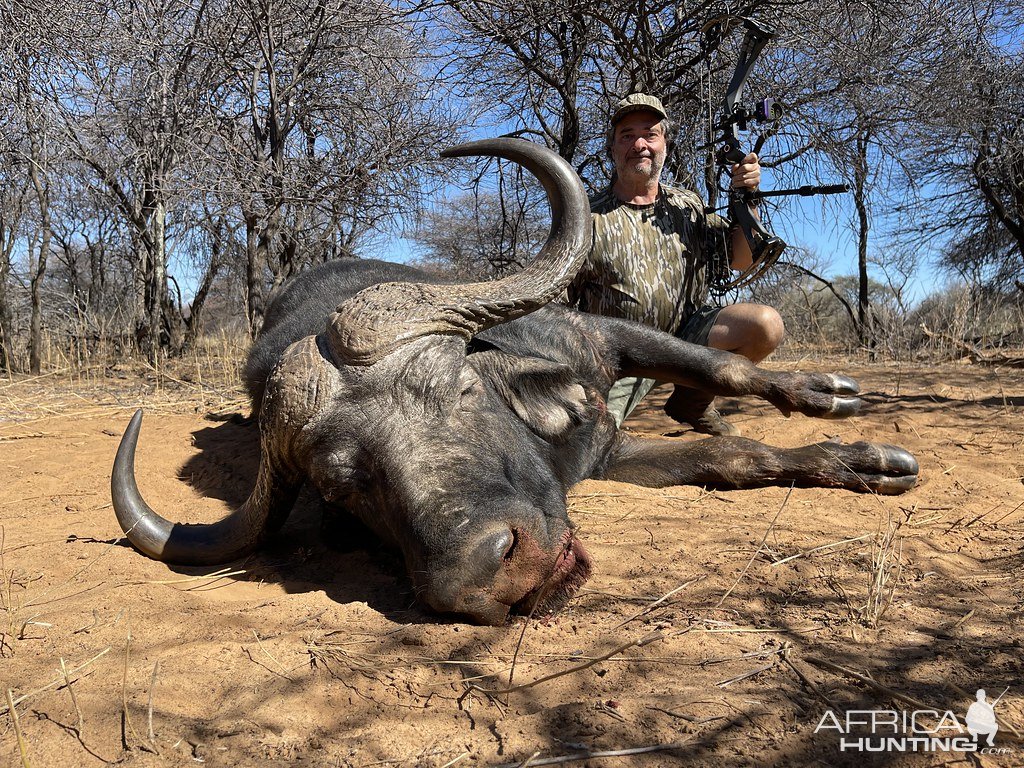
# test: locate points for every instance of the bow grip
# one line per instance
(730, 152)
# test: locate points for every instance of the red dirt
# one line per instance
(317, 655)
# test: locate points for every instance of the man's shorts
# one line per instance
(697, 327)
(626, 394)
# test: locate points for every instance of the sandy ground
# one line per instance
(778, 607)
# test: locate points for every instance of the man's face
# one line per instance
(639, 148)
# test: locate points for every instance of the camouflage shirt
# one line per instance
(649, 263)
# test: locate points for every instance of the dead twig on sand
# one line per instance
(74, 699)
(149, 707)
(588, 755)
(950, 629)
(25, 436)
(126, 720)
(810, 684)
(646, 640)
(77, 729)
(999, 520)
(284, 672)
(212, 578)
(778, 652)
(744, 676)
(807, 552)
(58, 681)
(22, 746)
(757, 551)
(832, 667)
(651, 606)
(692, 719)
(39, 600)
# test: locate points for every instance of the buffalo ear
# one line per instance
(547, 396)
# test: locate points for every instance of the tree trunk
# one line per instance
(865, 319)
(253, 276)
(97, 278)
(140, 288)
(6, 315)
(157, 282)
(38, 271)
(35, 341)
(6, 321)
(195, 315)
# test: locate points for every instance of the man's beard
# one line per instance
(651, 171)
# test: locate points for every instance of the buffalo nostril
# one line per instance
(511, 548)
(500, 545)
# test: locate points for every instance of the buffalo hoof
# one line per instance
(899, 471)
(821, 395)
(863, 466)
(844, 385)
(874, 467)
(843, 407)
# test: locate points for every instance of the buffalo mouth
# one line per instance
(572, 568)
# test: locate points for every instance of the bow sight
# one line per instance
(763, 111)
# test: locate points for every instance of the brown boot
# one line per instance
(695, 407)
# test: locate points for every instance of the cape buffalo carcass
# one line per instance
(453, 418)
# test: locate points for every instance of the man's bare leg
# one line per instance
(751, 330)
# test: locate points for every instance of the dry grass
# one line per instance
(885, 573)
(22, 745)
(73, 385)
(85, 360)
(13, 588)
(60, 680)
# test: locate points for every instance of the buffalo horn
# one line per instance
(380, 319)
(236, 535)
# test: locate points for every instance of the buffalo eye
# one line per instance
(469, 383)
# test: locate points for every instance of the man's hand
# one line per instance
(746, 175)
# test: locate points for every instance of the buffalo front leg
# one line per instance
(736, 462)
(645, 352)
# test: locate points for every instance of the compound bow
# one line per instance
(765, 247)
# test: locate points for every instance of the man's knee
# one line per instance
(751, 330)
(773, 329)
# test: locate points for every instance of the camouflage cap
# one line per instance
(637, 102)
